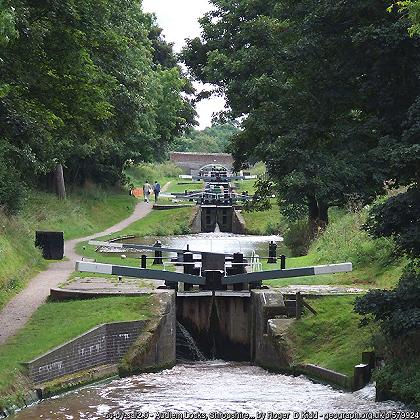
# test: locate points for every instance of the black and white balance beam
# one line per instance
(141, 273)
(288, 273)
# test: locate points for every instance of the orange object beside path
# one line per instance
(137, 192)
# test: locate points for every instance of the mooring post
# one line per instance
(158, 253)
(283, 262)
(299, 305)
(143, 261)
(272, 253)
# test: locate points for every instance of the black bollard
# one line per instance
(143, 261)
(283, 262)
(272, 253)
(188, 268)
(158, 253)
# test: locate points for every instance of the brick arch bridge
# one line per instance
(192, 162)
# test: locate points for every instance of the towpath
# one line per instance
(18, 311)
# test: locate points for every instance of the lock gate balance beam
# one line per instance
(141, 273)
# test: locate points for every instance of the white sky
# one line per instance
(179, 20)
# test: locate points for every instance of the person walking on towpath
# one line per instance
(147, 189)
(156, 190)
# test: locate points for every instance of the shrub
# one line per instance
(12, 189)
(152, 172)
(400, 379)
(298, 238)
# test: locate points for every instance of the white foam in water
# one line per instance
(208, 387)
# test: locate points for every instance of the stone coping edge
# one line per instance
(171, 206)
(68, 294)
(324, 374)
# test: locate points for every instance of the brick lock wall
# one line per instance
(194, 161)
(102, 345)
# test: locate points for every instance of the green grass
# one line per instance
(156, 223)
(176, 187)
(345, 240)
(162, 172)
(57, 322)
(246, 185)
(374, 264)
(266, 222)
(370, 276)
(83, 213)
(161, 223)
(332, 338)
(258, 169)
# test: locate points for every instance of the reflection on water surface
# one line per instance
(214, 242)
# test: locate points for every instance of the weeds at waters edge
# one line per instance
(55, 323)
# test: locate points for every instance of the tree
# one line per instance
(7, 24)
(83, 90)
(412, 9)
(320, 86)
(214, 139)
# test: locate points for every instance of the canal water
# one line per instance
(228, 243)
(209, 390)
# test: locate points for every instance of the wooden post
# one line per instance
(299, 305)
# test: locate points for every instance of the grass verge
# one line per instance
(179, 186)
(331, 339)
(55, 323)
(268, 222)
(162, 172)
(156, 223)
(84, 212)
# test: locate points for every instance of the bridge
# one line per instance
(192, 162)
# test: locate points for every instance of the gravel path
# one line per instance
(18, 311)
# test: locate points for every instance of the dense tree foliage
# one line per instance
(324, 88)
(397, 310)
(86, 85)
(214, 139)
(412, 9)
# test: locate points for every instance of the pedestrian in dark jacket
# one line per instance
(156, 190)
